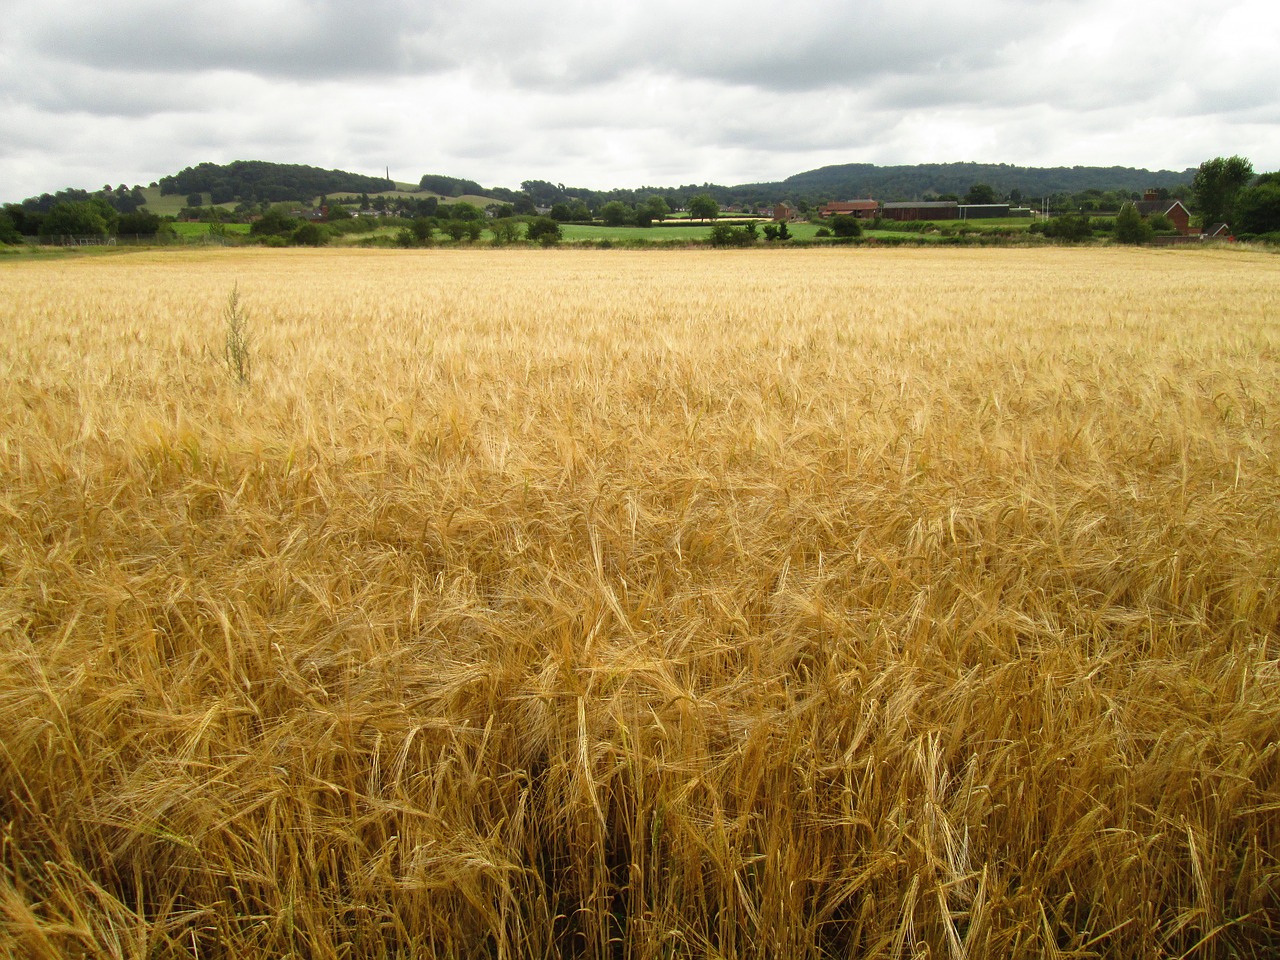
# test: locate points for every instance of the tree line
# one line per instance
(1221, 190)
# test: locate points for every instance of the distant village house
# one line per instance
(1151, 205)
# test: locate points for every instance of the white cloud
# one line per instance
(626, 94)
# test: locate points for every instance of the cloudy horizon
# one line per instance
(605, 96)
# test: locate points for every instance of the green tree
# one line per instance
(1216, 185)
(561, 212)
(657, 207)
(83, 219)
(981, 193)
(843, 225)
(1069, 227)
(544, 230)
(422, 229)
(460, 211)
(1130, 227)
(703, 207)
(505, 230)
(138, 223)
(311, 235)
(1258, 206)
(724, 235)
(9, 230)
(615, 213)
(275, 222)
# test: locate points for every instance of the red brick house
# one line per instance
(1178, 214)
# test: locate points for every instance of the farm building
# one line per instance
(1180, 216)
(862, 209)
(922, 210)
(983, 211)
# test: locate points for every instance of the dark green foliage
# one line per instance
(615, 213)
(657, 208)
(449, 186)
(545, 194)
(909, 182)
(138, 224)
(1258, 206)
(1070, 227)
(981, 193)
(1216, 185)
(560, 212)
(422, 230)
(843, 225)
(505, 230)
(311, 235)
(272, 182)
(25, 219)
(9, 230)
(458, 211)
(1130, 227)
(703, 207)
(724, 235)
(544, 230)
(273, 223)
(89, 218)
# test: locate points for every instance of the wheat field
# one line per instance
(605, 604)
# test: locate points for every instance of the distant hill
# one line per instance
(916, 181)
(257, 180)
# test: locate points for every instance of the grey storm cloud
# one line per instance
(770, 45)
(286, 38)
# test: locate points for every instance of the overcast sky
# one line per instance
(596, 94)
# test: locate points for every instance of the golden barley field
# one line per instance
(620, 604)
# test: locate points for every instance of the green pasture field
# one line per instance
(163, 206)
(202, 229)
(582, 231)
(1001, 224)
